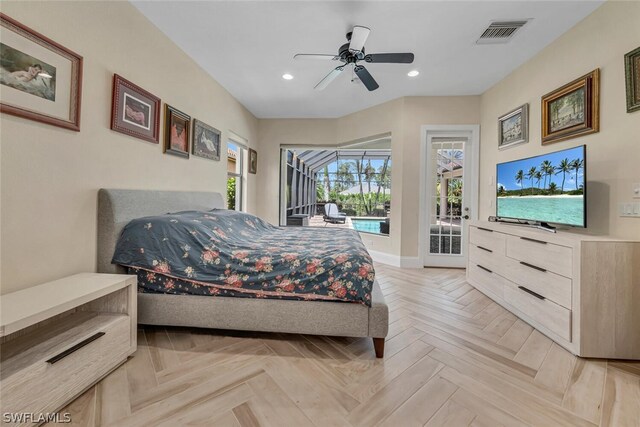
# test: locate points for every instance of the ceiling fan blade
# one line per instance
(358, 38)
(315, 56)
(329, 78)
(367, 79)
(390, 58)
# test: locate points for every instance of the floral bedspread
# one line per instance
(228, 253)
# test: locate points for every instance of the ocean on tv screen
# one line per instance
(547, 188)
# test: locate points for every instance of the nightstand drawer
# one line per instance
(548, 256)
(41, 368)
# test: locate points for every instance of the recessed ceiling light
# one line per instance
(287, 76)
(413, 73)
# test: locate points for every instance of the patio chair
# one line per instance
(332, 215)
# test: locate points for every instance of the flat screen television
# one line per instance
(545, 189)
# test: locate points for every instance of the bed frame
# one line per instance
(117, 207)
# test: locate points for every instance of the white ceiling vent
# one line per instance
(500, 32)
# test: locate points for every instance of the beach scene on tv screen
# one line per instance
(547, 188)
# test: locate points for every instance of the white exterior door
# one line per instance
(450, 196)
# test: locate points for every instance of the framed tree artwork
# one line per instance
(41, 80)
(572, 110)
(513, 127)
(176, 132)
(632, 72)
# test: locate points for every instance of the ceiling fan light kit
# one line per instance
(353, 52)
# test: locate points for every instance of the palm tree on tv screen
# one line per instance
(564, 168)
(576, 165)
(547, 170)
(531, 175)
(538, 177)
(552, 188)
(520, 177)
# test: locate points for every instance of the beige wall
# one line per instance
(50, 176)
(613, 154)
(402, 118)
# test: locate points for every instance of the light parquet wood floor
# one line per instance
(453, 358)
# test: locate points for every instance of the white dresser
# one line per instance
(59, 338)
(581, 291)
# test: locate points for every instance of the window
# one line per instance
(357, 180)
(235, 176)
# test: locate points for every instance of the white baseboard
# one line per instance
(395, 260)
(410, 262)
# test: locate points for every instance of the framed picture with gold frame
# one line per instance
(632, 71)
(572, 110)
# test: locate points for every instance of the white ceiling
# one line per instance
(247, 46)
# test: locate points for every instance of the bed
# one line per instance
(116, 208)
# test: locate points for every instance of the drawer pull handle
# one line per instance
(535, 267)
(485, 269)
(485, 229)
(537, 295)
(485, 249)
(533, 240)
(75, 348)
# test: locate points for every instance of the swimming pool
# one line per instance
(368, 225)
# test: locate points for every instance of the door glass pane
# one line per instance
(446, 206)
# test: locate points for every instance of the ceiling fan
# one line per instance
(352, 53)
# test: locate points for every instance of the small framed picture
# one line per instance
(205, 141)
(632, 72)
(572, 110)
(176, 132)
(513, 127)
(253, 161)
(40, 79)
(134, 111)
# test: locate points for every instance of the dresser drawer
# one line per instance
(489, 239)
(555, 258)
(551, 285)
(546, 313)
(64, 367)
(485, 257)
(485, 281)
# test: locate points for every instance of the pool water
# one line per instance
(368, 225)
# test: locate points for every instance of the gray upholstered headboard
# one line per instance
(117, 207)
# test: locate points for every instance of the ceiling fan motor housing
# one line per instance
(349, 57)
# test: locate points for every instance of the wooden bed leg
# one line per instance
(378, 345)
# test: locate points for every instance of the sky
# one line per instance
(507, 171)
(375, 163)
